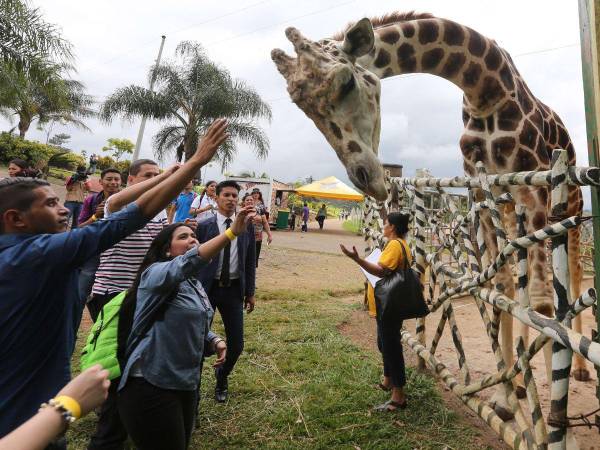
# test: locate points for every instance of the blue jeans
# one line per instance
(74, 210)
(390, 346)
(228, 301)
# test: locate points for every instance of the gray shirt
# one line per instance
(169, 355)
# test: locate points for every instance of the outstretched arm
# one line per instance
(373, 269)
(158, 197)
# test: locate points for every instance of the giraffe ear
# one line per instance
(359, 39)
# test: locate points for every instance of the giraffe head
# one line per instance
(341, 98)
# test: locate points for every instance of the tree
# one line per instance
(119, 147)
(60, 139)
(25, 37)
(189, 97)
(42, 92)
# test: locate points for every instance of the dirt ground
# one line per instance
(313, 260)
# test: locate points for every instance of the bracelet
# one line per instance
(230, 234)
(70, 404)
(94, 218)
(65, 414)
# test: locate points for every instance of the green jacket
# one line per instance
(101, 345)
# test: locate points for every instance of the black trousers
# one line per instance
(258, 247)
(156, 418)
(321, 219)
(390, 346)
(228, 301)
(110, 432)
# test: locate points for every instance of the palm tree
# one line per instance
(25, 36)
(41, 91)
(189, 97)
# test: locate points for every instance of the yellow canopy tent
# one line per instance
(330, 187)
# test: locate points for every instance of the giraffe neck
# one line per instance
(474, 63)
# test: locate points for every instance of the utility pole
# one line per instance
(138, 142)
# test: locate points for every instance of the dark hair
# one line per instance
(136, 165)
(109, 170)
(80, 168)
(208, 183)
(19, 162)
(246, 195)
(227, 183)
(400, 222)
(17, 193)
(156, 253)
(260, 197)
(305, 204)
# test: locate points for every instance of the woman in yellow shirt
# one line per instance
(388, 332)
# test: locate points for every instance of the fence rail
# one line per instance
(463, 239)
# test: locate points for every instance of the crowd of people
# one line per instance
(152, 282)
(169, 277)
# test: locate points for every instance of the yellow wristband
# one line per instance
(94, 218)
(70, 404)
(230, 234)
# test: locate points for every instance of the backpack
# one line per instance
(102, 342)
(107, 341)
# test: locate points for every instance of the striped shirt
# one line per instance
(119, 264)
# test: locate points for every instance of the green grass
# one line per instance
(302, 384)
(352, 225)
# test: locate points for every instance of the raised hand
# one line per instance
(350, 254)
(242, 217)
(208, 145)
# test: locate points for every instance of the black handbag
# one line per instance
(399, 295)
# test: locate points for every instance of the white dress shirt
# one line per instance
(234, 273)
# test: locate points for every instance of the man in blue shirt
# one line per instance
(39, 302)
(183, 203)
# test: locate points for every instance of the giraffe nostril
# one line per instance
(362, 176)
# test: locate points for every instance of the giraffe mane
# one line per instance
(386, 19)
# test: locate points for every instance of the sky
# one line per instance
(115, 43)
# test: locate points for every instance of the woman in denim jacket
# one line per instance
(158, 388)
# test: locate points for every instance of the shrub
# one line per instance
(68, 161)
(105, 162)
(36, 154)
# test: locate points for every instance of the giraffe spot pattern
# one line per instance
(491, 92)
(528, 135)
(471, 75)
(465, 116)
(390, 36)
(502, 148)
(408, 30)
(509, 116)
(369, 79)
(506, 77)
(492, 58)
(388, 72)
(406, 57)
(476, 124)
(490, 124)
(453, 64)
(383, 59)
(335, 130)
(353, 147)
(428, 31)
(472, 148)
(477, 43)
(542, 151)
(539, 220)
(431, 59)
(454, 33)
(524, 160)
(542, 194)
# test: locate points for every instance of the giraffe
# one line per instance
(336, 82)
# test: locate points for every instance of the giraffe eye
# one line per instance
(347, 87)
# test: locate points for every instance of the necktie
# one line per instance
(224, 278)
